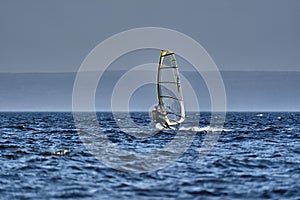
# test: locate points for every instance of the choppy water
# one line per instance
(256, 157)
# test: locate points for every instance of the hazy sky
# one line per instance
(56, 35)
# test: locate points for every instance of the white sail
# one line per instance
(169, 90)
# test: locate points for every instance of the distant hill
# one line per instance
(254, 91)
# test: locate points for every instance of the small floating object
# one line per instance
(63, 152)
(21, 126)
(260, 115)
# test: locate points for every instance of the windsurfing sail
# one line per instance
(169, 92)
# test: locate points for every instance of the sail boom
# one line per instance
(171, 98)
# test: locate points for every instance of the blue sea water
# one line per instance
(257, 156)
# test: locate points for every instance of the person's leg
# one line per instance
(167, 125)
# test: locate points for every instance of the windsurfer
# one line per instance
(158, 117)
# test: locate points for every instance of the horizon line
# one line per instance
(122, 111)
(64, 72)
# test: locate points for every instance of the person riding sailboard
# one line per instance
(158, 117)
(170, 109)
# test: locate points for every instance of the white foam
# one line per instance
(159, 126)
(194, 128)
(206, 128)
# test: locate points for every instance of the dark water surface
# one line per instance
(257, 157)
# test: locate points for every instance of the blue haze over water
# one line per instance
(256, 157)
(245, 91)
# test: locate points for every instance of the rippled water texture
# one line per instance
(256, 157)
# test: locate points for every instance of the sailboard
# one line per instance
(169, 90)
